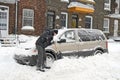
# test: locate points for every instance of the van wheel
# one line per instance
(98, 52)
(49, 59)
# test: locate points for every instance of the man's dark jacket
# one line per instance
(45, 38)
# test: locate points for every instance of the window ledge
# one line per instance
(107, 9)
(67, 1)
(28, 28)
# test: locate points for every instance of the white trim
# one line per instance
(118, 7)
(108, 20)
(91, 21)
(66, 18)
(107, 6)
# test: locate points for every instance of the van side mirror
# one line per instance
(62, 41)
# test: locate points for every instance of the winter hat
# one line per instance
(56, 31)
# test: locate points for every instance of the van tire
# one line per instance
(98, 52)
(49, 59)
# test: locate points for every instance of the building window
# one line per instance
(28, 17)
(107, 4)
(65, 1)
(106, 25)
(64, 17)
(3, 20)
(51, 19)
(88, 22)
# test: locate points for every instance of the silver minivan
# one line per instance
(71, 42)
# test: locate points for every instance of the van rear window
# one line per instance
(90, 35)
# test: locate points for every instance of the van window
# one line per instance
(69, 36)
(95, 35)
(91, 35)
(83, 35)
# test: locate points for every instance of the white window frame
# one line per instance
(117, 9)
(91, 21)
(65, 13)
(107, 6)
(108, 21)
(31, 18)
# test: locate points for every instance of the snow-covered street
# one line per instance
(98, 67)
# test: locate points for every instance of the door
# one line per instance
(88, 22)
(115, 28)
(50, 20)
(74, 21)
(69, 46)
(3, 21)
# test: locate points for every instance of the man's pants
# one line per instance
(41, 57)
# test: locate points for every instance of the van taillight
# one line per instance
(34, 50)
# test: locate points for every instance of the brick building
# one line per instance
(56, 13)
(107, 17)
(68, 13)
(34, 15)
(22, 17)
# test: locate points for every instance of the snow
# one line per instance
(65, 0)
(28, 28)
(98, 67)
(114, 15)
(91, 0)
(78, 4)
(8, 1)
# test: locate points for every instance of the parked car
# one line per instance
(70, 42)
(117, 39)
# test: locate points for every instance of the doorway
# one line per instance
(74, 21)
(115, 28)
(4, 21)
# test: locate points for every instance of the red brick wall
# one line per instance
(39, 15)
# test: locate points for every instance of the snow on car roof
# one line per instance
(65, 29)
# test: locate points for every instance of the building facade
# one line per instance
(7, 18)
(33, 16)
(68, 13)
(56, 13)
(22, 17)
(107, 17)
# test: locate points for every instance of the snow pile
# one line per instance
(27, 41)
(28, 28)
(65, 0)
